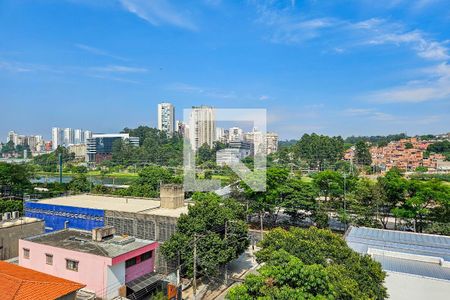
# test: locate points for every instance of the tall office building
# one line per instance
(87, 135)
(166, 117)
(12, 136)
(78, 136)
(256, 138)
(99, 147)
(69, 137)
(235, 134)
(202, 126)
(272, 142)
(57, 137)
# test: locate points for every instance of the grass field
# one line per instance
(92, 174)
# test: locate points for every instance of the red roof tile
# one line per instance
(19, 283)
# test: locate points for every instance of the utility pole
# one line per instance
(60, 167)
(345, 202)
(226, 265)
(178, 269)
(261, 221)
(194, 282)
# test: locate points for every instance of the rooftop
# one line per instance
(418, 254)
(132, 205)
(104, 202)
(20, 283)
(18, 222)
(81, 241)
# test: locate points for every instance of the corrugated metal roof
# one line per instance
(361, 239)
(418, 268)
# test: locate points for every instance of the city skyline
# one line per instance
(389, 73)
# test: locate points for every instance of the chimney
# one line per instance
(100, 233)
(172, 196)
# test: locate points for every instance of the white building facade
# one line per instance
(166, 117)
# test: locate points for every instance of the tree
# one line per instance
(15, 178)
(311, 264)
(155, 147)
(300, 199)
(424, 197)
(319, 151)
(148, 182)
(329, 184)
(50, 162)
(272, 200)
(80, 184)
(9, 147)
(217, 226)
(391, 191)
(439, 147)
(362, 154)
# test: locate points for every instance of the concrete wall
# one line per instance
(143, 226)
(9, 237)
(402, 286)
(115, 279)
(172, 196)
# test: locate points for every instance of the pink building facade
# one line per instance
(104, 269)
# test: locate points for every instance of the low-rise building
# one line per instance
(417, 265)
(107, 264)
(13, 229)
(19, 283)
(79, 150)
(150, 219)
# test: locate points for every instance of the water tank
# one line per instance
(7, 216)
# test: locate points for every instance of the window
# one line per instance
(48, 259)
(26, 253)
(72, 265)
(130, 262)
(146, 255)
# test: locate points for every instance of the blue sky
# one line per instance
(333, 67)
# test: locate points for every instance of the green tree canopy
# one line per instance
(362, 154)
(311, 264)
(319, 151)
(50, 162)
(148, 182)
(219, 229)
(15, 178)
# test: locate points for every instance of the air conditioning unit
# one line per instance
(15, 214)
(6, 216)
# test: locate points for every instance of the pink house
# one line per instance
(107, 264)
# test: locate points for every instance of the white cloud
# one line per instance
(113, 78)
(208, 92)
(435, 86)
(20, 67)
(119, 69)
(99, 52)
(286, 26)
(368, 113)
(15, 67)
(264, 97)
(157, 12)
